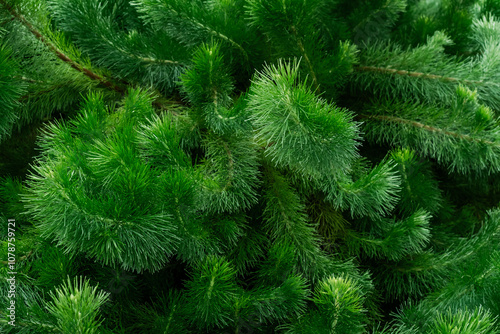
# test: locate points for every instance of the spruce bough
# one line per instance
(250, 166)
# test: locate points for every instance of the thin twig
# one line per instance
(92, 75)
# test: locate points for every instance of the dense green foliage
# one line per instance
(250, 166)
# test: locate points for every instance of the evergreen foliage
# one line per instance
(250, 166)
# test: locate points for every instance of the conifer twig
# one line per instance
(214, 33)
(59, 53)
(71, 62)
(426, 127)
(386, 70)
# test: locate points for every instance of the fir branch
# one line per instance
(242, 180)
(196, 23)
(466, 248)
(387, 70)
(92, 75)
(373, 14)
(213, 287)
(230, 173)
(287, 223)
(419, 189)
(293, 36)
(297, 129)
(147, 57)
(392, 239)
(76, 306)
(339, 308)
(210, 30)
(464, 137)
(427, 73)
(375, 23)
(99, 221)
(208, 85)
(429, 128)
(374, 193)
